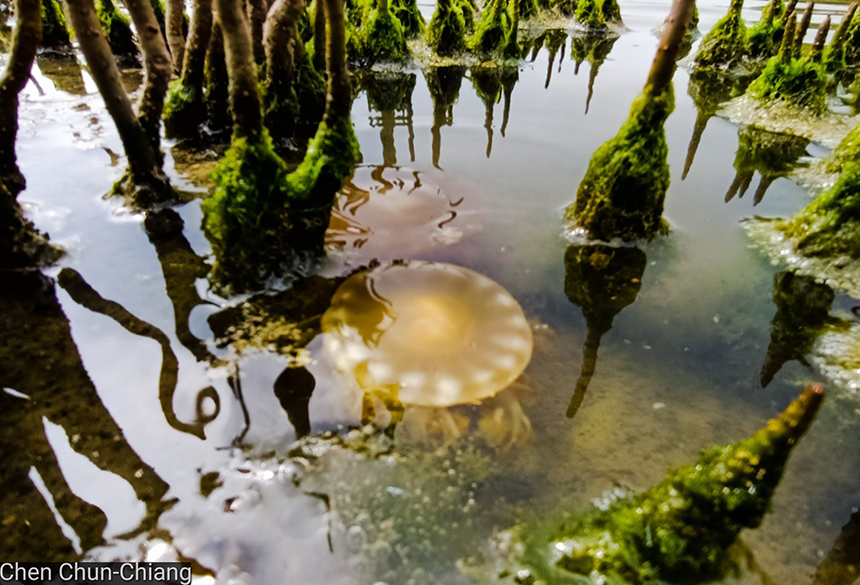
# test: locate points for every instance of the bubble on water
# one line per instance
(293, 470)
(356, 538)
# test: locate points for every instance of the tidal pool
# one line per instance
(149, 418)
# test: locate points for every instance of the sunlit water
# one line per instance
(480, 184)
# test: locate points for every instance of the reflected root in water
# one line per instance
(444, 85)
(43, 367)
(841, 566)
(487, 82)
(601, 280)
(389, 93)
(772, 155)
(594, 50)
(802, 311)
(83, 294)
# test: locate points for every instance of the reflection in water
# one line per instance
(510, 76)
(841, 566)
(422, 337)
(595, 50)
(555, 40)
(382, 209)
(389, 93)
(444, 86)
(772, 155)
(44, 381)
(601, 280)
(802, 310)
(65, 74)
(708, 89)
(181, 268)
(85, 296)
(284, 322)
(487, 82)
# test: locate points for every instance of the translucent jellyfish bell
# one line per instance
(433, 334)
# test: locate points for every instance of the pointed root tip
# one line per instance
(802, 411)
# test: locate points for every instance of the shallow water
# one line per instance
(481, 184)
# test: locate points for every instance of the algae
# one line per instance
(800, 82)
(55, 30)
(184, 110)
(118, 32)
(446, 33)
(772, 155)
(726, 44)
(622, 193)
(410, 17)
(491, 31)
(385, 39)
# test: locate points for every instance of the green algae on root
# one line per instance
(622, 193)
(834, 57)
(830, 225)
(772, 154)
(800, 82)
(491, 31)
(247, 214)
(118, 31)
(590, 13)
(184, 110)
(764, 38)
(847, 152)
(55, 30)
(384, 40)
(726, 44)
(612, 11)
(410, 17)
(446, 33)
(681, 529)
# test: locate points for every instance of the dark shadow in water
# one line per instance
(487, 82)
(444, 86)
(601, 280)
(772, 155)
(287, 321)
(390, 94)
(708, 89)
(294, 388)
(65, 74)
(555, 40)
(802, 311)
(181, 268)
(841, 566)
(40, 360)
(83, 294)
(595, 50)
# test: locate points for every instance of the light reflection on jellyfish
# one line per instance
(426, 340)
(381, 209)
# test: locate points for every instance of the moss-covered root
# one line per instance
(511, 48)
(680, 530)
(847, 152)
(385, 40)
(589, 13)
(764, 38)
(55, 30)
(246, 217)
(725, 46)
(852, 45)
(491, 31)
(803, 27)
(830, 225)
(801, 82)
(410, 17)
(834, 57)
(446, 33)
(118, 31)
(184, 109)
(612, 12)
(622, 193)
(772, 155)
(524, 9)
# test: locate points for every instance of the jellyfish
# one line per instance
(424, 338)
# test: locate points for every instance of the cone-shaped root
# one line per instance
(385, 40)
(726, 44)
(446, 33)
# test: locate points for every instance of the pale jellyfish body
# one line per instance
(431, 336)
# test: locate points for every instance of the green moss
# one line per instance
(511, 48)
(622, 193)
(590, 13)
(158, 9)
(847, 152)
(681, 530)
(385, 40)
(852, 44)
(55, 30)
(800, 82)
(726, 44)
(410, 17)
(280, 109)
(565, 7)
(834, 58)
(183, 111)
(611, 11)
(446, 34)
(770, 154)
(247, 216)
(764, 38)
(830, 225)
(527, 8)
(491, 32)
(468, 11)
(118, 32)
